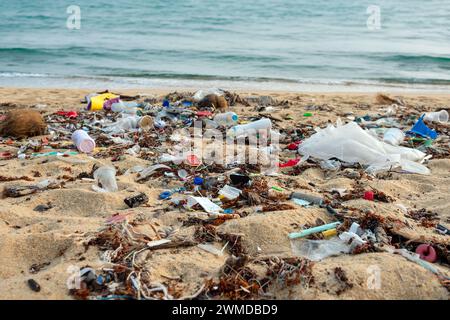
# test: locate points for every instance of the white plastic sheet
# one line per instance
(350, 143)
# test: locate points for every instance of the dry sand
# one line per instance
(54, 237)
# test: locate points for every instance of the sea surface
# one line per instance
(269, 45)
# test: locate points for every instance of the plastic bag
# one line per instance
(316, 250)
(106, 178)
(350, 143)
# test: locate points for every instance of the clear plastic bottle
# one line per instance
(227, 119)
(251, 127)
(125, 107)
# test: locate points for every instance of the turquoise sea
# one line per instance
(280, 44)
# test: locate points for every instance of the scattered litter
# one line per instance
(136, 201)
(205, 203)
(350, 143)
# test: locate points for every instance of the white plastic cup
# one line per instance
(83, 141)
(226, 119)
(145, 123)
(106, 177)
(251, 127)
(439, 116)
(394, 136)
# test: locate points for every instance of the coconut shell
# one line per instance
(213, 101)
(23, 124)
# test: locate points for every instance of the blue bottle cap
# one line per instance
(198, 181)
(228, 211)
(166, 103)
(165, 195)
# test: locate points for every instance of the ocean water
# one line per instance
(279, 44)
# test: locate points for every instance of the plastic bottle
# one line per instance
(251, 127)
(394, 136)
(226, 119)
(83, 141)
(307, 197)
(125, 107)
(123, 125)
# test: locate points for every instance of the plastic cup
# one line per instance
(394, 136)
(106, 177)
(439, 116)
(145, 123)
(83, 141)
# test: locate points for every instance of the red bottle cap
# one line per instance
(369, 195)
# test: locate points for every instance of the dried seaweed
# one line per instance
(371, 221)
(235, 245)
(342, 279)
(4, 179)
(426, 218)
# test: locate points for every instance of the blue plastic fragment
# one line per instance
(421, 129)
(198, 181)
(165, 194)
(166, 103)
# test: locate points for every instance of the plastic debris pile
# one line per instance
(207, 195)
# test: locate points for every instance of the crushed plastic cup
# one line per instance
(106, 179)
(439, 116)
(83, 141)
(394, 136)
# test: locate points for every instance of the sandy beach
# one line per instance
(45, 245)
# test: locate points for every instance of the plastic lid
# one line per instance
(234, 117)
